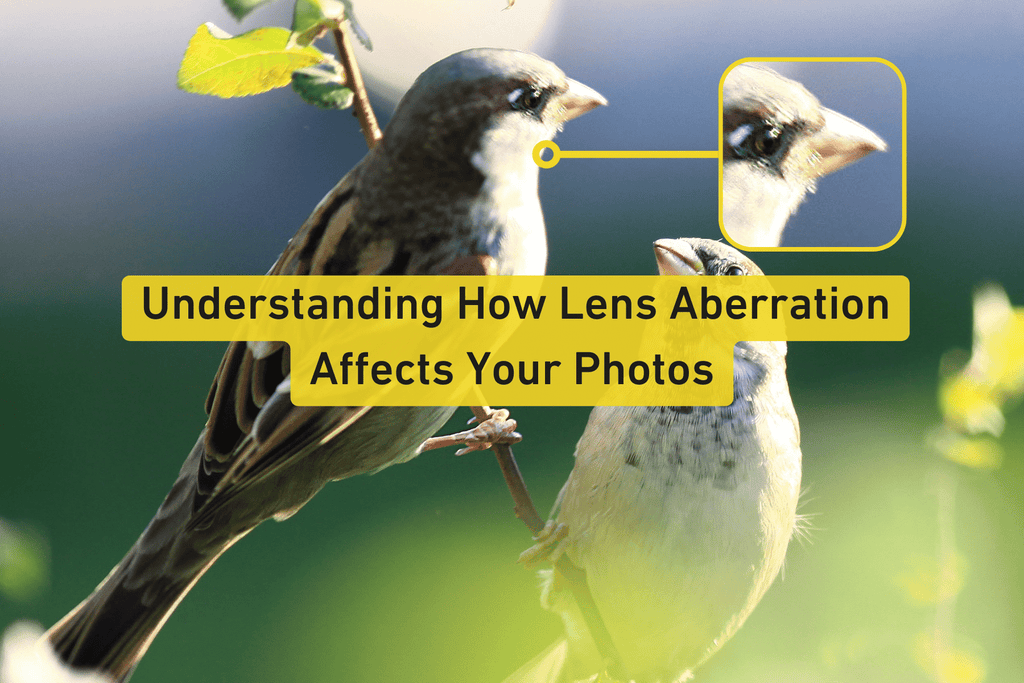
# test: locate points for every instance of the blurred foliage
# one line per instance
(977, 452)
(972, 398)
(24, 559)
(948, 664)
(927, 583)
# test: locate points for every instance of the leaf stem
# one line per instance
(354, 80)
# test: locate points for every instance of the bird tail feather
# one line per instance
(112, 629)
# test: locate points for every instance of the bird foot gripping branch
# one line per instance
(497, 429)
(545, 543)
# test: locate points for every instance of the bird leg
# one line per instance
(496, 429)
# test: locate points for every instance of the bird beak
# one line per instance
(578, 100)
(842, 141)
(677, 257)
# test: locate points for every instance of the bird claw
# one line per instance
(545, 542)
(498, 428)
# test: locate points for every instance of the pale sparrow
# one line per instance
(679, 515)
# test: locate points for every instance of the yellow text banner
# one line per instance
(553, 340)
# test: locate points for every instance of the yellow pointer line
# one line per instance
(557, 154)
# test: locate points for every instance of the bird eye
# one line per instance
(735, 270)
(761, 140)
(767, 140)
(526, 99)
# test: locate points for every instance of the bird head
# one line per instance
(691, 256)
(483, 110)
(777, 141)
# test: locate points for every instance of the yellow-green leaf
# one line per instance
(970, 405)
(248, 64)
(998, 353)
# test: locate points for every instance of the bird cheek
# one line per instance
(804, 163)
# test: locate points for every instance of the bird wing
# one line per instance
(253, 429)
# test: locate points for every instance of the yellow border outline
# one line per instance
(903, 150)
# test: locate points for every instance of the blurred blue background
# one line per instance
(107, 170)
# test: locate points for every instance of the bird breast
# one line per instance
(681, 518)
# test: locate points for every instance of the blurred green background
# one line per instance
(106, 170)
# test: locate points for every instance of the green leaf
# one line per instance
(239, 8)
(322, 87)
(312, 17)
(254, 62)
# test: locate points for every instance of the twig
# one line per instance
(575, 578)
(525, 509)
(354, 80)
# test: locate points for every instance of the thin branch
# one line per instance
(525, 509)
(575, 578)
(354, 80)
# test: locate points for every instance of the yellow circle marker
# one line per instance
(558, 154)
(538, 151)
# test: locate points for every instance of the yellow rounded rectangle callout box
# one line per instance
(780, 142)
